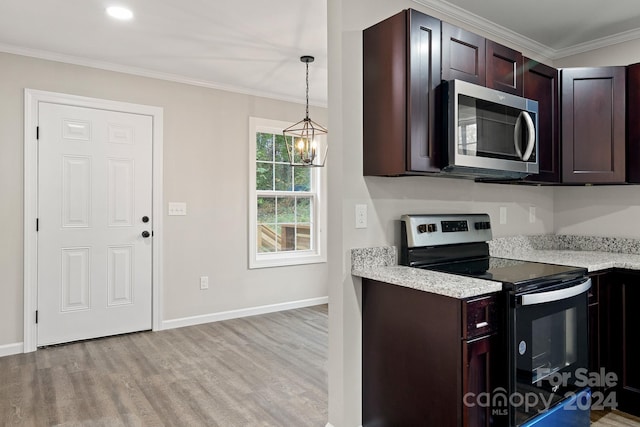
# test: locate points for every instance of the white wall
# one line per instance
(206, 134)
(610, 211)
(387, 199)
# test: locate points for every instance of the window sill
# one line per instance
(284, 260)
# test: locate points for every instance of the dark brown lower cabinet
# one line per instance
(626, 334)
(422, 353)
(614, 335)
(479, 355)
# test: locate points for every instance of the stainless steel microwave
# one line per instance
(489, 133)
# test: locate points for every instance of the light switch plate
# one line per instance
(361, 216)
(177, 208)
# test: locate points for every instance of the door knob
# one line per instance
(145, 219)
(146, 234)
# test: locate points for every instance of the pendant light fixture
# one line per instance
(304, 141)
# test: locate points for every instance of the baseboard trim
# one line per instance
(11, 349)
(244, 312)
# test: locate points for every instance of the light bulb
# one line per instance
(121, 13)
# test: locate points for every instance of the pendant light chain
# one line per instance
(307, 90)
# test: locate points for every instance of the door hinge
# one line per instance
(37, 224)
(37, 132)
(36, 316)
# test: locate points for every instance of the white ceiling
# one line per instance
(552, 28)
(254, 46)
(247, 46)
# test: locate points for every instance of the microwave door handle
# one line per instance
(531, 133)
(542, 297)
(516, 135)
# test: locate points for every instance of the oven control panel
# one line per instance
(435, 230)
(455, 226)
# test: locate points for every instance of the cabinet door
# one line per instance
(629, 347)
(504, 68)
(478, 379)
(423, 77)
(540, 83)
(633, 125)
(593, 125)
(463, 55)
(609, 335)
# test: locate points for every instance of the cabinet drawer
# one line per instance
(481, 316)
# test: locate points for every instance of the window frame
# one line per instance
(318, 213)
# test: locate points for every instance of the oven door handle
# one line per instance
(560, 294)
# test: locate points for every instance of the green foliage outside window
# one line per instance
(284, 220)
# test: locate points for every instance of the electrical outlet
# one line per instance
(361, 216)
(532, 214)
(204, 282)
(177, 208)
(503, 214)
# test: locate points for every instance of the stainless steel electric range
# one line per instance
(546, 324)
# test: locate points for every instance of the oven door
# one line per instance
(548, 346)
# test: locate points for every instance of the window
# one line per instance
(286, 210)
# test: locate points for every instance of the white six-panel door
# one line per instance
(94, 190)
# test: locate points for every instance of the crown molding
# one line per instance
(599, 43)
(479, 23)
(142, 72)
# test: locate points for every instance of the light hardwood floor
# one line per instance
(613, 419)
(268, 370)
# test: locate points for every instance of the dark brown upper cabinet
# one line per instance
(504, 68)
(593, 125)
(401, 61)
(540, 83)
(633, 123)
(463, 55)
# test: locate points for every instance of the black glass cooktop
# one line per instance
(510, 271)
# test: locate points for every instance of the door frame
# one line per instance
(32, 99)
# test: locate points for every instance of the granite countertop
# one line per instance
(381, 264)
(449, 285)
(592, 253)
(591, 260)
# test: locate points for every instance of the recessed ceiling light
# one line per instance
(121, 13)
